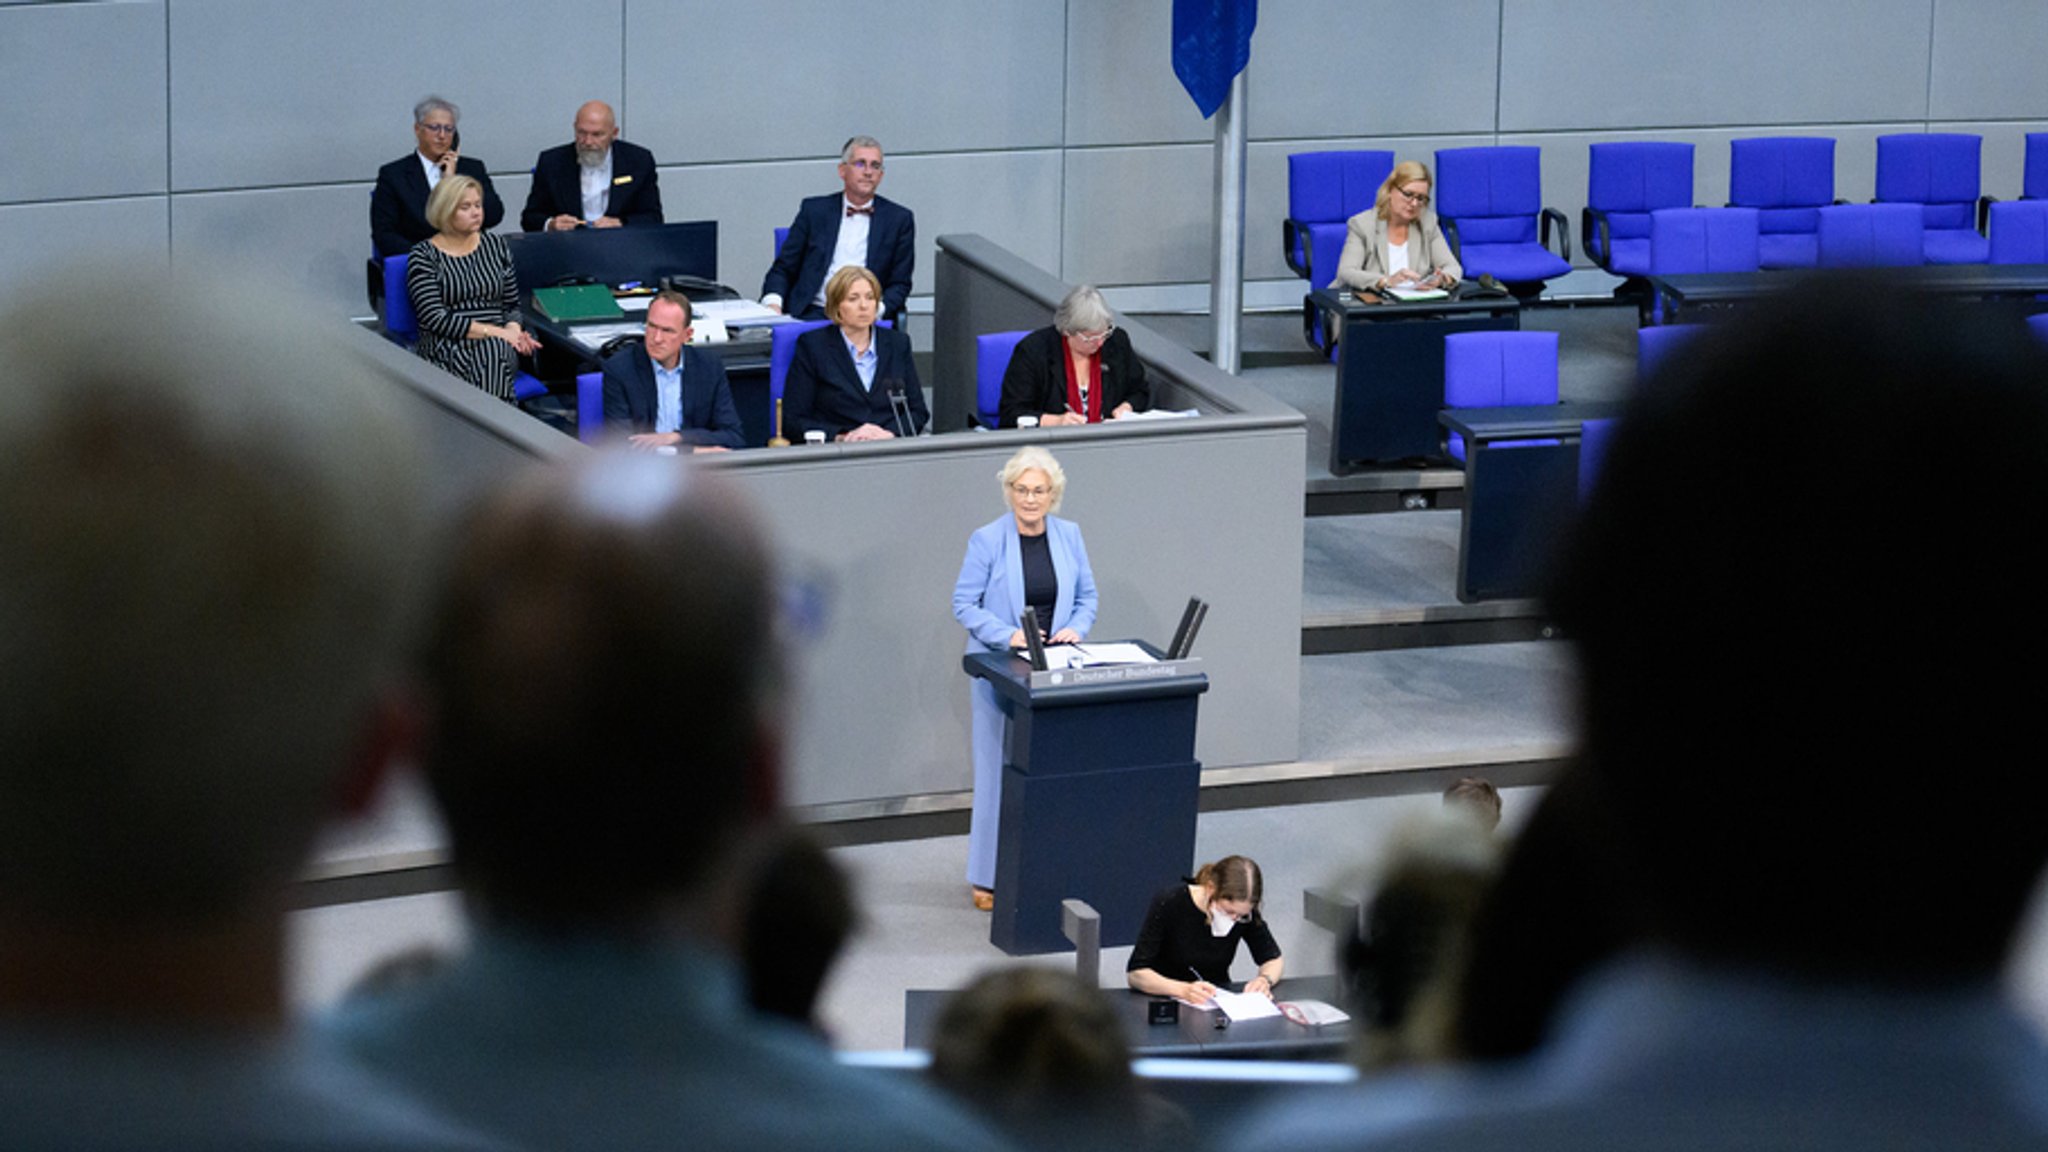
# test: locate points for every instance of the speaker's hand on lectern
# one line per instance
(1064, 636)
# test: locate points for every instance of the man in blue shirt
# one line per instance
(669, 394)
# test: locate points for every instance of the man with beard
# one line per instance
(600, 180)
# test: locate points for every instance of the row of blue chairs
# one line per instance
(1489, 201)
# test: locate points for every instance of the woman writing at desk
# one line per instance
(464, 292)
(1191, 934)
(1398, 243)
(1032, 559)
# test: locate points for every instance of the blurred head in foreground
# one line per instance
(600, 674)
(1794, 629)
(207, 528)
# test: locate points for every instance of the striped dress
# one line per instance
(450, 291)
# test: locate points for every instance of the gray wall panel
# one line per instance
(1120, 83)
(42, 237)
(83, 85)
(267, 93)
(1987, 59)
(1137, 215)
(312, 240)
(1590, 64)
(786, 78)
(1012, 197)
(1302, 48)
(881, 695)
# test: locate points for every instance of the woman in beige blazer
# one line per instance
(1401, 216)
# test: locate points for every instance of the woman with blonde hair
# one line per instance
(464, 292)
(1025, 558)
(846, 377)
(1398, 244)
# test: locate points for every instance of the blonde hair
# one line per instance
(1406, 172)
(1032, 456)
(447, 194)
(842, 283)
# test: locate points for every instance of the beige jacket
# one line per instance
(1365, 251)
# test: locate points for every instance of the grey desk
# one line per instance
(2012, 282)
(1390, 368)
(1195, 1034)
(1519, 497)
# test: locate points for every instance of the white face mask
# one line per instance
(1220, 923)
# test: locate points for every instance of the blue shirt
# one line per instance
(864, 362)
(668, 395)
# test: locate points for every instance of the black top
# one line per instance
(1041, 583)
(1175, 941)
(1036, 380)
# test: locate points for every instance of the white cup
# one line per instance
(1027, 421)
(814, 437)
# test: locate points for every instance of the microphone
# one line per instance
(906, 424)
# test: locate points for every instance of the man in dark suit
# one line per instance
(669, 394)
(600, 180)
(398, 207)
(853, 227)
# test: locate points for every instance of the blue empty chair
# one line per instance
(1788, 180)
(2038, 325)
(991, 361)
(781, 235)
(1593, 438)
(527, 386)
(1499, 370)
(1490, 203)
(1324, 190)
(2019, 232)
(1941, 173)
(1872, 236)
(1656, 346)
(1625, 183)
(1703, 240)
(2034, 184)
(590, 407)
(400, 322)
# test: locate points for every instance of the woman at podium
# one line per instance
(1192, 931)
(1027, 558)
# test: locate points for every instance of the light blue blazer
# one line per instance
(989, 596)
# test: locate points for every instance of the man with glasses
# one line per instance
(398, 207)
(1079, 371)
(850, 227)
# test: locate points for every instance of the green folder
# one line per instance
(577, 304)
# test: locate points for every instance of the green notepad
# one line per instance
(576, 304)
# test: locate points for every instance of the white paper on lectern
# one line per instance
(1116, 653)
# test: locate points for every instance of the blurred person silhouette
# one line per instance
(207, 535)
(1480, 796)
(794, 912)
(603, 692)
(1042, 1054)
(1758, 608)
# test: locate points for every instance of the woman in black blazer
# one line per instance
(1079, 371)
(842, 376)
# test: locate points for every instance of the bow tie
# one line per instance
(867, 211)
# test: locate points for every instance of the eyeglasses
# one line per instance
(865, 165)
(1024, 493)
(438, 129)
(1419, 199)
(1092, 337)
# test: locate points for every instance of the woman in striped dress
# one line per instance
(463, 290)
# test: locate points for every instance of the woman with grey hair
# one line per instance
(1079, 371)
(1027, 558)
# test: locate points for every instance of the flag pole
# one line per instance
(1226, 272)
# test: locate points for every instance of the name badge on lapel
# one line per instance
(617, 180)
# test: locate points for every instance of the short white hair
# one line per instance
(1083, 310)
(846, 153)
(435, 104)
(1032, 456)
(206, 544)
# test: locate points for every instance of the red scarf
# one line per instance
(1094, 408)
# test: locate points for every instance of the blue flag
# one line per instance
(1212, 42)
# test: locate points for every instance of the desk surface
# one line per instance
(1946, 279)
(1195, 1035)
(1351, 306)
(1513, 423)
